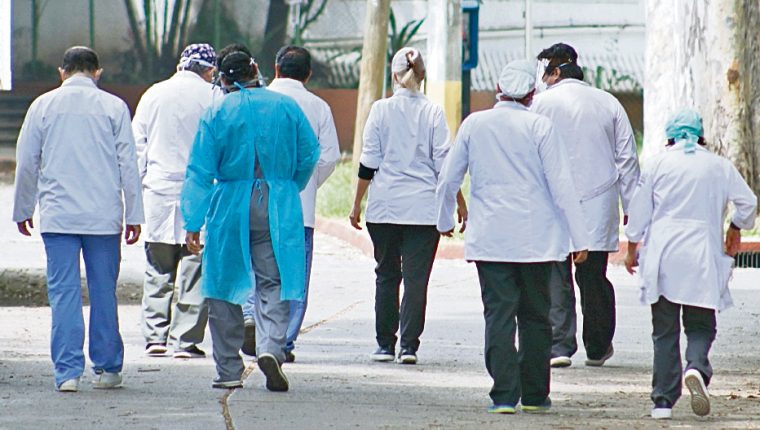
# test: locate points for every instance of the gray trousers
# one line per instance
(562, 314)
(516, 298)
(185, 324)
(700, 328)
(225, 321)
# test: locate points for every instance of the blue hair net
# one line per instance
(685, 125)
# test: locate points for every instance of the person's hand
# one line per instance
(132, 234)
(631, 261)
(449, 233)
(193, 242)
(462, 216)
(580, 256)
(733, 240)
(24, 226)
(356, 216)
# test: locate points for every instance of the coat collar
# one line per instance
(287, 83)
(510, 104)
(569, 81)
(79, 80)
(187, 74)
(403, 92)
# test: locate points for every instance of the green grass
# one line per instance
(335, 197)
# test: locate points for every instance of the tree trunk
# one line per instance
(705, 54)
(275, 34)
(372, 73)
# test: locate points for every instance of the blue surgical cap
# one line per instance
(685, 125)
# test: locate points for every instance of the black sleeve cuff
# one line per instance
(733, 226)
(366, 173)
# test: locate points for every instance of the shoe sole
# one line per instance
(187, 355)
(535, 409)
(227, 385)
(249, 341)
(106, 386)
(382, 358)
(276, 380)
(700, 400)
(662, 414)
(407, 360)
(508, 410)
(560, 363)
(64, 388)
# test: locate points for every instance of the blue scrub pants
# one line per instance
(297, 308)
(102, 255)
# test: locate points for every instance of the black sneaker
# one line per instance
(662, 410)
(270, 367)
(227, 385)
(407, 356)
(383, 354)
(289, 357)
(249, 339)
(189, 352)
(155, 349)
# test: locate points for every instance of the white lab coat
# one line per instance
(523, 206)
(599, 140)
(320, 117)
(406, 138)
(164, 126)
(76, 155)
(678, 210)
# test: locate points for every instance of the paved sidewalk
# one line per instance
(334, 385)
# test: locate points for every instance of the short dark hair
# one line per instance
(229, 49)
(563, 56)
(80, 59)
(236, 67)
(294, 62)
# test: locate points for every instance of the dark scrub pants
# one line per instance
(402, 252)
(516, 296)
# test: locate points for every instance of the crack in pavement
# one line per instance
(224, 401)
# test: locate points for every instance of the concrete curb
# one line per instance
(342, 230)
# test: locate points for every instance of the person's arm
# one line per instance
(641, 210)
(561, 186)
(130, 178)
(632, 257)
(361, 188)
(441, 139)
(329, 147)
(450, 180)
(745, 204)
(199, 182)
(369, 163)
(626, 159)
(28, 157)
(307, 148)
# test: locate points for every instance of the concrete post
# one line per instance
(372, 72)
(444, 58)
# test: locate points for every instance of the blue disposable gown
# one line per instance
(220, 177)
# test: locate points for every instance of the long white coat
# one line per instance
(678, 210)
(523, 206)
(601, 147)
(406, 138)
(76, 155)
(165, 123)
(320, 118)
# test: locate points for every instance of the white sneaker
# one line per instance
(106, 380)
(662, 413)
(561, 361)
(700, 398)
(69, 386)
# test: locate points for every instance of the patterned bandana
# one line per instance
(201, 53)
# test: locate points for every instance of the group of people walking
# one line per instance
(227, 174)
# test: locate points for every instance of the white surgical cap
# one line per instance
(518, 78)
(400, 63)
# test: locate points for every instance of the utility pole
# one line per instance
(444, 58)
(372, 72)
(528, 29)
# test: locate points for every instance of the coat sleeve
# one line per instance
(560, 181)
(202, 169)
(372, 152)
(329, 147)
(626, 160)
(642, 207)
(744, 200)
(130, 178)
(28, 156)
(450, 179)
(140, 131)
(307, 149)
(441, 140)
